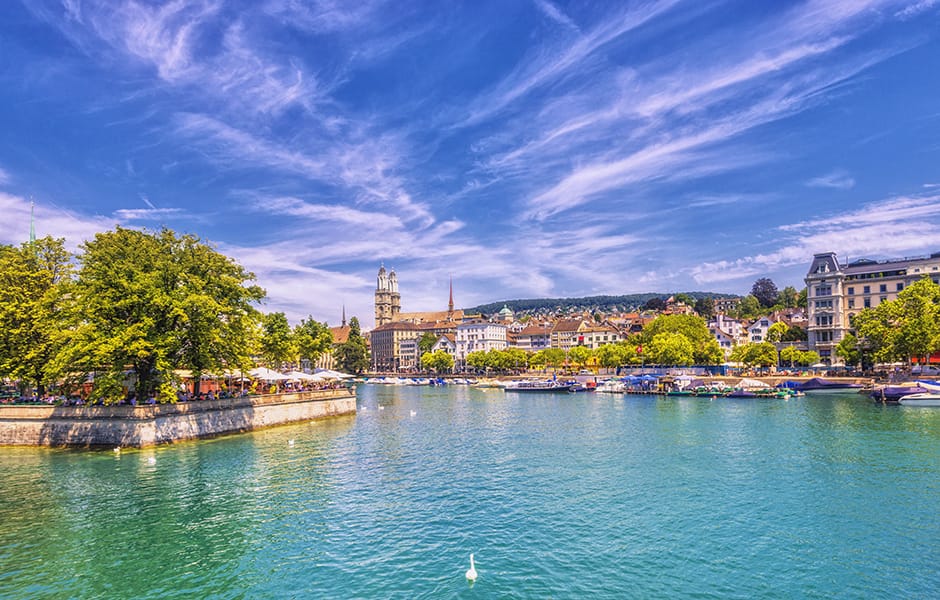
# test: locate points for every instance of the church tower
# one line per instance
(387, 298)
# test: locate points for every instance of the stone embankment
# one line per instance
(140, 426)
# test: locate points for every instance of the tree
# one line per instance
(684, 299)
(749, 307)
(705, 347)
(801, 299)
(788, 298)
(580, 355)
(790, 354)
(777, 331)
(765, 291)
(438, 361)
(655, 304)
(312, 339)
(426, 343)
(611, 356)
(34, 279)
(755, 354)
(705, 308)
(155, 302)
(553, 357)
(670, 348)
(904, 328)
(848, 350)
(352, 356)
(277, 342)
(810, 357)
(794, 334)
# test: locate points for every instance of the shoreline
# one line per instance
(152, 425)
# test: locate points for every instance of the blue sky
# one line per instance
(528, 148)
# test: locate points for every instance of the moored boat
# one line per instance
(537, 386)
(923, 399)
(818, 385)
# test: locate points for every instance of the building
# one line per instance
(757, 331)
(385, 341)
(478, 336)
(565, 333)
(340, 336)
(596, 336)
(409, 354)
(533, 338)
(837, 292)
(387, 298)
(726, 305)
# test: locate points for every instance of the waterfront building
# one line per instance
(595, 336)
(387, 297)
(565, 333)
(836, 292)
(726, 305)
(446, 343)
(478, 336)
(532, 338)
(757, 331)
(386, 344)
(327, 360)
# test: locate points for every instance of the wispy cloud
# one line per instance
(4, 176)
(148, 214)
(555, 14)
(837, 180)
(899, 226)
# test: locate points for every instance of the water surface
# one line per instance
(563, 496)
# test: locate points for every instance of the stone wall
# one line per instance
(140, 426)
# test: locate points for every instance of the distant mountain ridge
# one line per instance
(602, 303)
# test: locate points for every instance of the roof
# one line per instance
(430, 316)
(535, 330)
(567, 326)
(340, 334)
(397, 326)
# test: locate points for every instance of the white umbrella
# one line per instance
(330, 374)
(267, 374)
(301, 376)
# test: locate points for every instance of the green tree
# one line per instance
(554, 357)
(352, 356)
(777, 331)
(580, 355)
(788, 298)
(801, 299)
(848, 350)
(155, 302)
(810, 357)
(705, 308)
(34, 280)
(611, 356)
(790, 354)
(749, 308)
(705, 348)
(670, 348)
(794, 334)
(312, 339)
(904, 328)
(755, 354)
(684, 299)
(277, 340)
(426, 343)
(438, 361)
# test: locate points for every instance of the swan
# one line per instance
(381, 407)
(471, 572)
(151, 461)
(413, 413)
(118, 449)
(290, 443)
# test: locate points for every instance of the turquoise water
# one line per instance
(558, 496)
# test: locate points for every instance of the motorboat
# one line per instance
(923, 399)
(818, 385)
(538, 386)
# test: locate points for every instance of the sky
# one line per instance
(525, 148)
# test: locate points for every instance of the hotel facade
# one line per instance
(837, 292)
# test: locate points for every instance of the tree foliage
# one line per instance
(426, 343)
(705, 348)
(352, 356)
(312, 339)
(848, 350)
(277, 340)
(765, 290)
(438, 361)
(705, 308)
(34, 280)
(788, 297)
(777, 331)
(749, 308)
(904, 328)
(755, 354)
(154, 302)
(579, 356)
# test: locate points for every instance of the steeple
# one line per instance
(344, 315)
(450, 302)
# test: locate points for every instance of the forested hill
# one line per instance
(599, 303)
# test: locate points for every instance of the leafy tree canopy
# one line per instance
(765, 290)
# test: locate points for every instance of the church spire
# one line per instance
(32, 222)
(450, 302)
(344, 315)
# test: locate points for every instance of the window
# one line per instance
(900, 287)
(866, 289)
(851, 302)
(883, 288)
(867, 302)
(882, 299)
(824, 290)
(851, 291)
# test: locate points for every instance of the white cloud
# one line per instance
(836, 180)
(555, 14)
(148, 214)
(49, 220)
(4, 176)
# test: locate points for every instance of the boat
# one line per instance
(818, 385)
(893, 393)
(612, 386)
(923, 399)
(537, 386)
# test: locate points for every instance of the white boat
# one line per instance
(612, 386)
(923, 399)
(538, 386)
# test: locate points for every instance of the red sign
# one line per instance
(639, 349)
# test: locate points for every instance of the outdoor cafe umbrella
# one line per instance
(331, 374)
(266, 374)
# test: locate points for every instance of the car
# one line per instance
(925, 370)
(584, 372)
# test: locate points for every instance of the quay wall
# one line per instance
(140, 426)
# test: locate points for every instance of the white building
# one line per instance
(477, 336)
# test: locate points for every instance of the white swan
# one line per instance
(413, 413)
(471, 572)
(290, 443)
(118, 449)
(381, 407)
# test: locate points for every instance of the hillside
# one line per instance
(591, 303)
